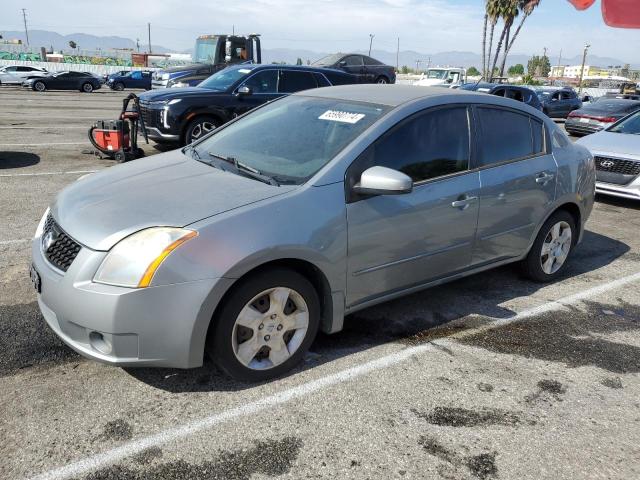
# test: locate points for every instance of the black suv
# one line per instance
(183, 115)
(515, 92)
(368, 70)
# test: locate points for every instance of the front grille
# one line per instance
(58, 247)
(617, 165)
(149, 115)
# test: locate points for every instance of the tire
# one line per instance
(275, 343)
(86, 87)
(120, 157)
(382, 80)
(118, 87)
(198, 128)
(546, 267)
(39, 86)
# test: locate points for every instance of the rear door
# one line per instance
(354, 64)
(518, 177)
(292, 81)
(398, 241)
(10, 75)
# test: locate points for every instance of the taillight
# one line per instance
(574, 114)
(605, 119)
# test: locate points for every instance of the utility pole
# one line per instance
(233, 29)
(371, 35)
(149, 33)
(24, 18)
(418, 62)
(398, 55)
(428, 63)
(584, 59)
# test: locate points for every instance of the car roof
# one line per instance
(391, 95)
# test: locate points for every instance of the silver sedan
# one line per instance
(617, 157)
(246, 243)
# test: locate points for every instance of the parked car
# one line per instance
(451, 77)
(83, 81)
(316, 205)
(105, 78)
(183, 75)
(515, 92)
(367, 69)
(15, 75)
(617, 156)
(184, 115)
(599, 115)
(133, 79)
(558, 102)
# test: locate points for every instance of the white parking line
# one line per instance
(71, 172)
(57, 127)
(14, 242)
(136, 446)
(41, 144)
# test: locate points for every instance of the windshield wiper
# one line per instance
(194, 153)
(246, 170)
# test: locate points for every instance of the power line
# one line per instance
(24, 18)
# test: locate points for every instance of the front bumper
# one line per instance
(162, 326)
(156, 135)
(631, 191)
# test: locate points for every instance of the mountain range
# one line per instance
(47, 39)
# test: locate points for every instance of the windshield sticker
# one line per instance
(244, 70)
(338, 116)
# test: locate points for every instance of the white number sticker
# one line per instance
(338, 116)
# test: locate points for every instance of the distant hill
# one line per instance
(44, 38)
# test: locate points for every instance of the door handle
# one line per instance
(463, 202)
(544, 178)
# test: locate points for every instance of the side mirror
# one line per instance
(243, 91)
(383, 181)
(586, 98)
(343, 63)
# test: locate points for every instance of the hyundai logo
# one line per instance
(607, 164)
(48, 240)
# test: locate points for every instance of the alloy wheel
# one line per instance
(556, 247)
(270, 328)
(39, 86)
(201, 129)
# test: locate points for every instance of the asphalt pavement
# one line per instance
(489, 377)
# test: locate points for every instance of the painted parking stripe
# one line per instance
(36, 174)
(114, 455)
(14, 242)
(41, 144)
(57, 127)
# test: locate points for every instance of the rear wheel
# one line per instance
(39, 86)
(265, 326)
(198, 128)
(86, 88)
(118, 86)
(552, 247)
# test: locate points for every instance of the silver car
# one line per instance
(278, 224)
(617, 157)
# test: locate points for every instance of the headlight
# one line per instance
(178, 85)
(134, 260)
(41, 224)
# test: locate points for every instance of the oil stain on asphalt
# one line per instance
(462, 417)
(482, 466)
(270, 458)
(117, 430)
(27, 341)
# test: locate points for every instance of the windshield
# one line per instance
(439, 74)
(223, 79)
(630, 125)
(328, 60)
(205, 51)
(292, 138)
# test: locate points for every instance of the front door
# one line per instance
(264, 87)
(398, 241)
(518, 182)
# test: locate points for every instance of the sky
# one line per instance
(427, 26)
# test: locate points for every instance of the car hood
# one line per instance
(428, 82)
(171, 93)
(612, 143)
(170, 189)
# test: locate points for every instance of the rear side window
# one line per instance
(506, 135)
(292, 81)
(426, 146)
(353, 61)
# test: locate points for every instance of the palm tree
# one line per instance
(527, 7)
(508, 12)
(484, 40)
(493, 14)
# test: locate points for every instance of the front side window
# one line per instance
(507, 135)
(292, 138)
(292, 81)
(430, 145)
(265, 81)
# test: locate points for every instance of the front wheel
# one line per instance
(198, 128)
(382, 80)
(118, 87)
(87, 88)
(265, 326)
(39, 87)
(551, 249)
